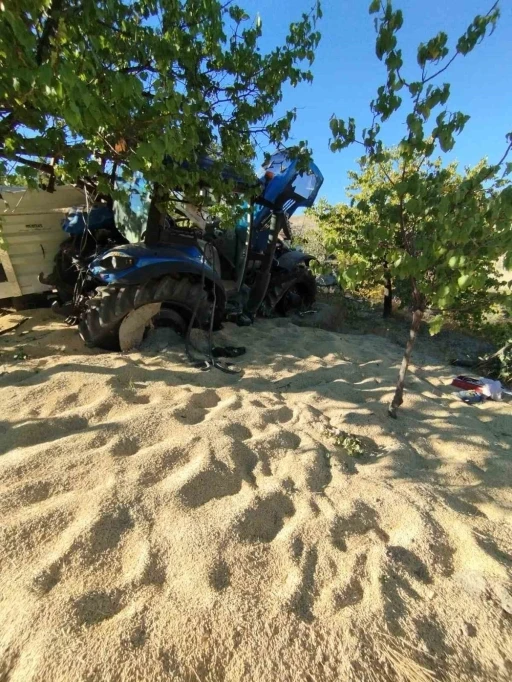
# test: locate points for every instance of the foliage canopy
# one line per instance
(97, 87)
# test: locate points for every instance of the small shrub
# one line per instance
(352, 445)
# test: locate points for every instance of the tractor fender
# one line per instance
(154, 263)
(291, 259)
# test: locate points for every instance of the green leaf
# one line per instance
(422, 55)
(394, 60)
(413, 205)
(435, 325)
(386, 41)
(463, 281)
(446, 140)
(414, 124)
(374, 6)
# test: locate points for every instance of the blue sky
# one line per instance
(347, 74)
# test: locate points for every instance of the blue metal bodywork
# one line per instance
(98, 217)
(285, 189)
(150, 263)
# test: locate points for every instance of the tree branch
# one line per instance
(37, 165)
(457, 53)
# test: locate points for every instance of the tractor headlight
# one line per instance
(121, 262)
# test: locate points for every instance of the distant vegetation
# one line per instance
(435, 231)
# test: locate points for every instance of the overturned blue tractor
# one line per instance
(183, 276)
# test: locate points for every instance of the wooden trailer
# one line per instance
(30, 235)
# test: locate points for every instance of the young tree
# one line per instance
(110, 88)
(355, 237)
(439, 229)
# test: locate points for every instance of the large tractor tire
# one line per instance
(293, 291)
(105, 311)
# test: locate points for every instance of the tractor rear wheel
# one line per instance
(105, 311)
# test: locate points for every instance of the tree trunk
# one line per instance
(155, 216)
(388, 293)
(417, 316)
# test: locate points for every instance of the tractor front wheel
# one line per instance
(300, 292)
